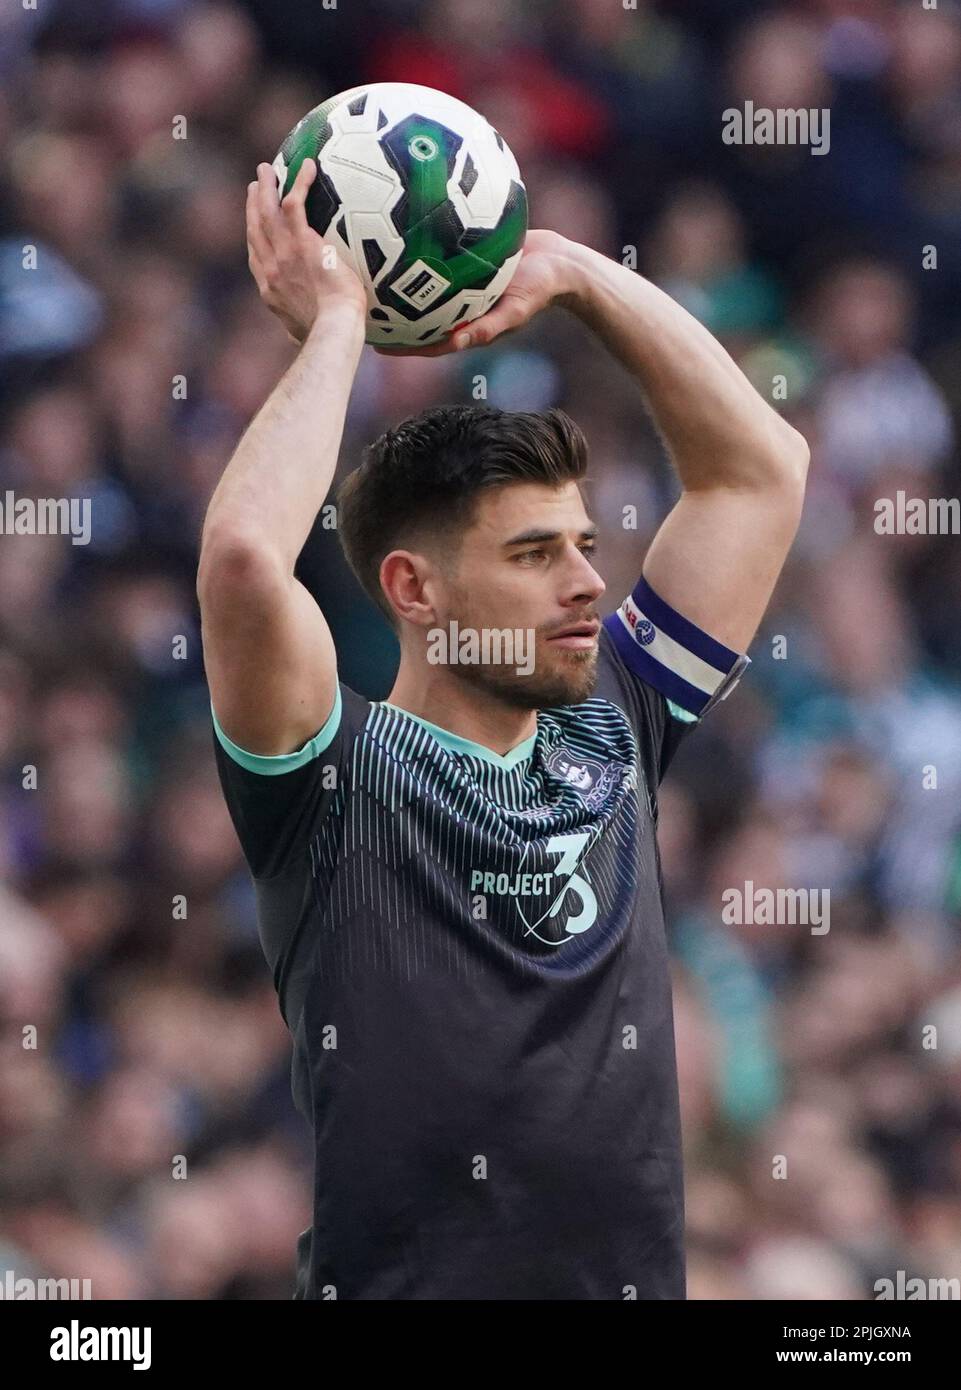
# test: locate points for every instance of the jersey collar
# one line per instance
(454, 743)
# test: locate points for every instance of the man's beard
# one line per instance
(572, 680)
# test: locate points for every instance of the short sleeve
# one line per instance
(276, 803)
(664, 672)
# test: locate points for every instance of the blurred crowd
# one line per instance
(820, 1073)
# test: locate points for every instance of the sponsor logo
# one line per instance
(571, 904)
(642, 629)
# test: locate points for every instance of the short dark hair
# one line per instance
(425, 476)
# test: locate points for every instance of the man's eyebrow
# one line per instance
(535, 537)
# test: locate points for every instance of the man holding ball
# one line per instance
(459, 887)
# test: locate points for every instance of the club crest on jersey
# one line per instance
(592, 781)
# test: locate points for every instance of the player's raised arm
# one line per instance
(717, 556)
(268, 651)
(742, 468)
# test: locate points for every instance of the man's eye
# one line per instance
(530, 554)
(590, 548)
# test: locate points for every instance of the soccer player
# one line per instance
(459, 886)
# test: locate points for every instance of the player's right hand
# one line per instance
(297, 272)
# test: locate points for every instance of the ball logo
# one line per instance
(422, 147)
(420, 285)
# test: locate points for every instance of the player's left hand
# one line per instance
(542, 278)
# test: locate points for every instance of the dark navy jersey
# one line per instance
(469, 951)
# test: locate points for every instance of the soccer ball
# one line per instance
(422, 196)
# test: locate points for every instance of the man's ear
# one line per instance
(403, 576)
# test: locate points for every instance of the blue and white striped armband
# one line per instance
(688, 667)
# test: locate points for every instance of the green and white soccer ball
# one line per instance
(424, 198)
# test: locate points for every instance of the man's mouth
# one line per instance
(577, 637)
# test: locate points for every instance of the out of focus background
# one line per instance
(131, 359)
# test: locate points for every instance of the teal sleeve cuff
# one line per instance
(685, 716)
(275, 765)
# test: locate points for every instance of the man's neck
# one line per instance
(461, 709)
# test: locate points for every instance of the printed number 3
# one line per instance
(570, 847)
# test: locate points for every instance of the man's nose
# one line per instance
(587, 583)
